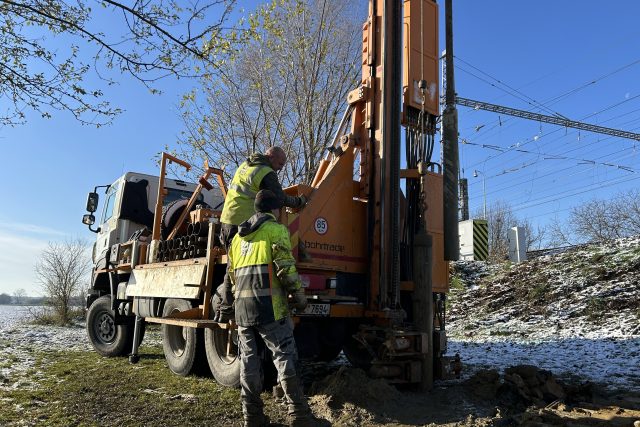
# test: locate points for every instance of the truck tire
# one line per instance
(224, 366)
(107, 338)
(182, 346)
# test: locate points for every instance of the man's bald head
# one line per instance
(277, 157)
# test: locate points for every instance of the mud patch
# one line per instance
(484, 383)
(521, 395)
(350, 397)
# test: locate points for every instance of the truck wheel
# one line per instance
(223, 355)
(182, 345)
(107, 338)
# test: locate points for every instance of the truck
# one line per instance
(370, 245)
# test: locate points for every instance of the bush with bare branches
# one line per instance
(600, 220)
(61, 270)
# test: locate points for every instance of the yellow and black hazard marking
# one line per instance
(480, 240)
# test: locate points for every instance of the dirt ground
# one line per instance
(522, 396)
(40, 385)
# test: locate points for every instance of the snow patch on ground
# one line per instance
(20, 343)
(576, 314)
(611, 362)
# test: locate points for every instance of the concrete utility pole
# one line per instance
(450, 148)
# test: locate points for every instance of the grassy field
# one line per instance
(82, 388)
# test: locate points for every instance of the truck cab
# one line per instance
(128, 208)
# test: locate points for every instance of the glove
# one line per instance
(303, 201)
(299, 300)
(223, 314)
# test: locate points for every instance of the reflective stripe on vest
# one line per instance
(238, 205)
(260, 298)
(252, 280)
(248, 277)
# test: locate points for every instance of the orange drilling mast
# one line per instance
(369, 245)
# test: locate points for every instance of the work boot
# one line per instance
(278, 394)
(298, 409)
(261, 421)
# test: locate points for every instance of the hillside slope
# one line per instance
(576, 313)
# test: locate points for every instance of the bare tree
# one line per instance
(18, 296)
(559, 234)
(627, 208)
(500, 218)
(600, 220)
(535, 237)
(286, 87)
(595, 221)
(61, 270)
(42, 68)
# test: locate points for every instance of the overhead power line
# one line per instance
(592, 82)
(546, 157)
(511, 90)
(545, 118)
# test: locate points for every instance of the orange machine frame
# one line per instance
(331, 234)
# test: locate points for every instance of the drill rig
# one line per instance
(371, 258)
(383, 249)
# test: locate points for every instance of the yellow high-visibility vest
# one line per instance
(238, 205)
(260, 296)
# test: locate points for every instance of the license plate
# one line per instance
(316, 310)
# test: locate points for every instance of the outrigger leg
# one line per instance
(134, 357)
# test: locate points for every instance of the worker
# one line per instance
(262, 271)
(258, 172)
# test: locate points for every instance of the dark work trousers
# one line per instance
(278, 337)
(227, 232)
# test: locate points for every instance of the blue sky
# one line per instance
(543, 50)
(539, 49)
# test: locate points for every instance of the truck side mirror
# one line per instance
(92, 204)
(88, 219)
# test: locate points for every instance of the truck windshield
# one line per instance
(175, 194)
(110, 203)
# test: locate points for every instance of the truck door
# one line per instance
(107, 235)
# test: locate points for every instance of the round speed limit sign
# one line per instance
(321, 225)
